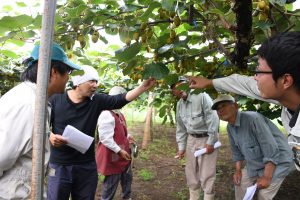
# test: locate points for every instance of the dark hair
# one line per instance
(282, 53)
(31, 65)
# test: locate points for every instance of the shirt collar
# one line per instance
(238, 119)
(294, 117)
(188, 99)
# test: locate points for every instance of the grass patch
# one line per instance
(145, 174)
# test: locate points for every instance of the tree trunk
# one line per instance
(243, 10)
(147, 128)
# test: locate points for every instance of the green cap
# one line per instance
(58, 54)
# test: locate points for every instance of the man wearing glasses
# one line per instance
(276, 80)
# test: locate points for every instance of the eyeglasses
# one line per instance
(256, 72)
(69, 71)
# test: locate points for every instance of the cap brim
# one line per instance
(72, 65)
(214, 106)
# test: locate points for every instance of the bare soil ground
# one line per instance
(157, 175)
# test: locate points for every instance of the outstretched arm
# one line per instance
(146, 85)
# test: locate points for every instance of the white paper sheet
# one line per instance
(77, 139)
(203, 150)
(250, 192)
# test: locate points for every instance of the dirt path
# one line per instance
(158, 176)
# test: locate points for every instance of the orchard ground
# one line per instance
(157, 175)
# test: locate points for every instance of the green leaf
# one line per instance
(8, 53)
(103, 39)
(171, 79)
(144, 2)
(21, 4)
(38, 21)
(289, 7)
(75, 12)
(19, 43)
(26, 34)
(162, 111)
(127, 53)
(263, 25)
(168, 5)
(151, 7)
(7, 8)
(155, 70)
(130, 20)
(19, 21)
(215, 11)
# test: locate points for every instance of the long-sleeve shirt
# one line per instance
(247, 86)
(255, 139)
(106, 130)
(194, 116)
(16, 127)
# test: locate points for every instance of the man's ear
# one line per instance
(236, 105)
(287, 81)
(53, 74)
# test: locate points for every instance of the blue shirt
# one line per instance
(255, 139)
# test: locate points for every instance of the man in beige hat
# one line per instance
(259, 145)
(197, 128)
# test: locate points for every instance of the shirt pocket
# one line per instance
(197, 121)
(253, 151)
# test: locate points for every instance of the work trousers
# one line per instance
(201, 171)
(111, 182)
(263, 194)
(79, 181)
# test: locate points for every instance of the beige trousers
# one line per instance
(201, 171)
(263, 194)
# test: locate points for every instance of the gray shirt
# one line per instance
(255, 139)
(194, 116)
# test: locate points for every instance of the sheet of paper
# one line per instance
(77, 139)
(203, 150)
(250, 192)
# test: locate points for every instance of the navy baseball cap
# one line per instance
(58, 54)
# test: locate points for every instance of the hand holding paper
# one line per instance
(250, 192)
(77, 139)
(203, 150)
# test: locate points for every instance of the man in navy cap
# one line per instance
(16, 123)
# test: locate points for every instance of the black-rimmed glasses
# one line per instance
(257, 72)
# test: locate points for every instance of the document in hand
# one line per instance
(77, 139)
(250, 192)
(203, 150)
